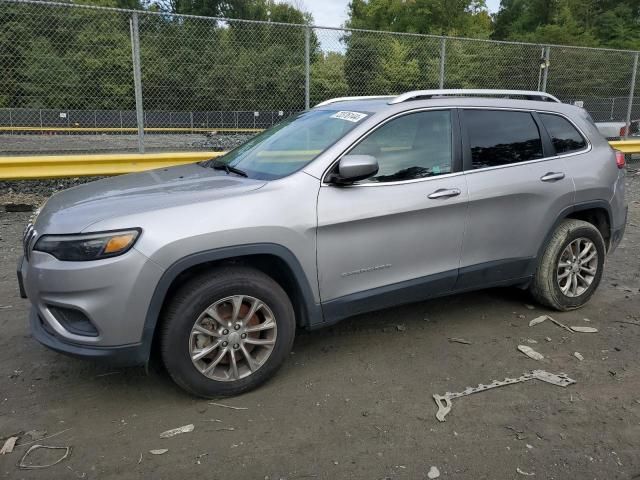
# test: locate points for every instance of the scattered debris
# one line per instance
(198, 462)
(140, 459)
(159, 451)
(224, 429)
(459, 340)
(530, 352)
(177, 431)
(15, 374)
(401, 327)
(522, 472)
(5, 307)
(578, 355)
(560, 324)
(538, 320)
(36, 435)
(25, 466)
(548, 339)
(584, 329)
(227, 406)
(107, 374)
(529, 307)
(444, 401)
(531, 341)
(637, 324)
(519, 433)
(433, 473)
(43, 438)
(8, 445)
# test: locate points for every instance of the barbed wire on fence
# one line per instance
(94, 67)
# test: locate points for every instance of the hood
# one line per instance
(77, 208)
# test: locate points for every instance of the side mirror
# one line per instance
(352, 168)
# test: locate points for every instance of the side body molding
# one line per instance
(312, 312)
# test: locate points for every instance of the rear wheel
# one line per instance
(571, 267)
(226, 332)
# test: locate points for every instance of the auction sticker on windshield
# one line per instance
(349, 116)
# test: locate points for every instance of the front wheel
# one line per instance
(226, 332)
(571, 267)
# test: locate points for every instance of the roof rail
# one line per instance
(344, 99)
(424, 94)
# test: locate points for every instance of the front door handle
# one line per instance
(445, 193)
(552, 176)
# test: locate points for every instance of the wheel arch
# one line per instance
(275, 260)
(597, 212)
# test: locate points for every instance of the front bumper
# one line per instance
(113, 295)
(124, 356)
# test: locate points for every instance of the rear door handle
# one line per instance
(445, 193)
(552, 176)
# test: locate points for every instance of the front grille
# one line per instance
(27, 239)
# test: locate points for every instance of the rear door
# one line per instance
(395, 237)
(517, 189)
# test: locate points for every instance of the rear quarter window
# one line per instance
(564, 136)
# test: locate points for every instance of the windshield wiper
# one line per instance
(218, 165)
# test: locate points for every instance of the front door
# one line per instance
(395, 237)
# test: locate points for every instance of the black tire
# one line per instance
(545, 288)
(195, 297)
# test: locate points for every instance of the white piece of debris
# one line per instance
(227, 406)
(584, 329)
(8, 445)
(30, 466)
(459, 340)
(578, 355)
(529, 307)
(444, 401)
(159, 451)
(522, 472)
(177, 431)
(433, 473)
(531, 340)
(538, 320)
(530, 352)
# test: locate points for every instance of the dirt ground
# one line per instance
(353, 401)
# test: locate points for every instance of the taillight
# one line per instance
(623, 131)
(620, 161)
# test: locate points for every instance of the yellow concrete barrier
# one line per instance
(626, 146)
(55, 166)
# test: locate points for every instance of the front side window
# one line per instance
(500, 137)
(564, 136)
(291, 144)
(416, 145)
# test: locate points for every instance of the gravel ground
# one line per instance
(354, 401)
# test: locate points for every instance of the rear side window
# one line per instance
(564, 136)
(499, 137)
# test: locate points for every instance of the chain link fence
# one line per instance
(70, 69)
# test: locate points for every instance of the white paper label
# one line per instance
(349, 116)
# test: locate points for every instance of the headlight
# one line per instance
(93, 246)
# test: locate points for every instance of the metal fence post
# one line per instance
(443, 56)
(307, 67)
(11, 121)
(545, 74)
(137, 79)
(631, 93)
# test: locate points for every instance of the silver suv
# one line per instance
(355, 205)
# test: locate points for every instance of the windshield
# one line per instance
(291, 144)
